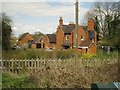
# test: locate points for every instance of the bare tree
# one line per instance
(105, 13)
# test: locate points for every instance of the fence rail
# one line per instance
(33, 65)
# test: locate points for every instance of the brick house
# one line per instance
(49, 41)
(65, 37)
(25, 39)
(37, 43)
(89, 43)
(45, 42)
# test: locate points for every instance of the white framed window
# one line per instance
(82, 38)
(67, 37)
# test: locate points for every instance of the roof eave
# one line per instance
(82, 46)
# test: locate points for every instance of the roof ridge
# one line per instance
(23, 35)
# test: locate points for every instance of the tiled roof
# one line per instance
(66, 44)
(84, 27)
(36, 40)
(52, 38)
(86, 43)
(67, 29)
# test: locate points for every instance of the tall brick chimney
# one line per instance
(90, 24)
(61, 22)
(91, 29)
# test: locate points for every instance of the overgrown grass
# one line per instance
(63, 75)
(57, 54)
(10, 80)
(41, 54)
(105, 55)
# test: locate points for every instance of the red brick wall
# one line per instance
(59, 38)
(42, 42)
(92, 49)
(46, 41)
(47, 44)
(89, 50)
(70, 39)
(81, 32)
(90, 24)
(33, 46)
(25, 39)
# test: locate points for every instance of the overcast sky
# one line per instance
(43, 16)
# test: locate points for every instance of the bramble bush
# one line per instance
(88, 56)
(10, 80)
(69, 74)
(57, 54)
(41, 54)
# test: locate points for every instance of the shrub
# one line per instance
(101, 54)
(14, 81)
(22, 54)
(31, 54)
(56, 54)
(64, 54)
(88, 56)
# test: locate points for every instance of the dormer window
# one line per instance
(82, 38)
(91, 34)
(67, 37)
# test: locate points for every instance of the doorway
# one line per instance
(38, 45)
(66, 47)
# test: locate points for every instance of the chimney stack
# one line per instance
(90, 24)
(61, 22)
(71, 23)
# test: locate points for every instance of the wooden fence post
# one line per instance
(37, 64)
(19, 66)
(8, 65)
(24, 62)
(1, 64)
(29, 65)
(5, 65)
(32, 65)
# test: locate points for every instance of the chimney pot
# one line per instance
(61, 22)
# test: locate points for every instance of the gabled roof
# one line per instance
(23, 35)
(86, 44)
(36, 39)
(67, 29)
(84, 27)
(52, 38)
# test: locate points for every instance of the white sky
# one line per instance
(43, 16)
